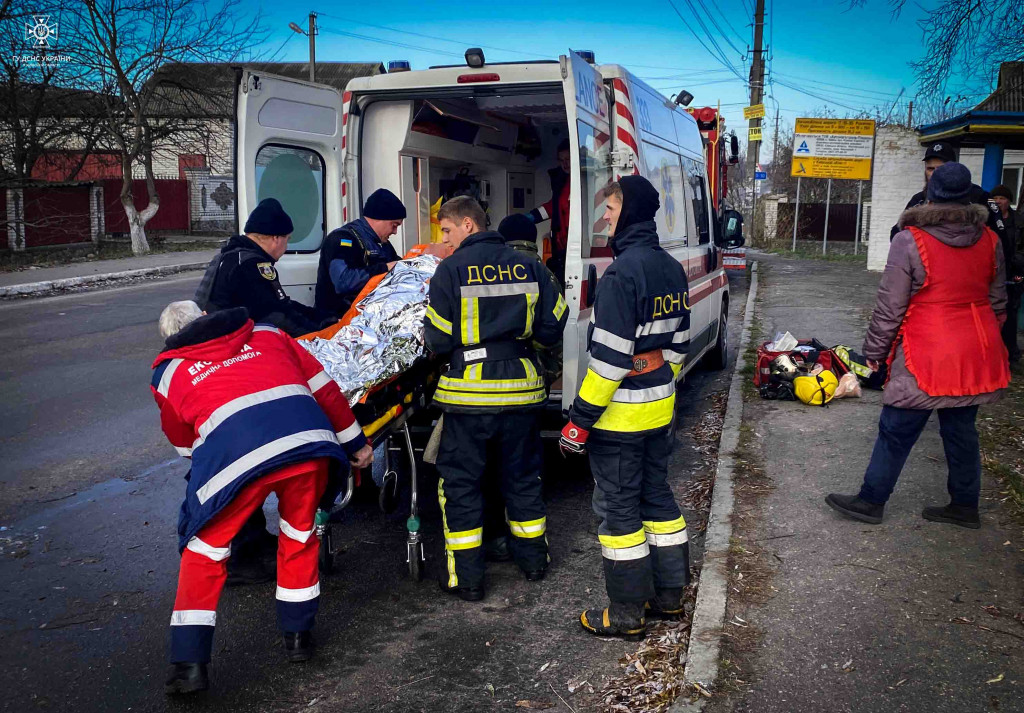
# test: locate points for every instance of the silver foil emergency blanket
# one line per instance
(386, 337)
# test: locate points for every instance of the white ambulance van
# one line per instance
(491, 130)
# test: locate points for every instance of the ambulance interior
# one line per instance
(497, 148)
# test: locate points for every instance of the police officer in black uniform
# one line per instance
(638, 341)
(934, 156)
(487, 304)
(243, 275)
(357, 251)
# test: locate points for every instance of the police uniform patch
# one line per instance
(267, 270)
(345, 243)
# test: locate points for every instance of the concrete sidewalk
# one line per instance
(48, 279)
(908, 615)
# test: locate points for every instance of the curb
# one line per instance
(47, 286)
(712, 589)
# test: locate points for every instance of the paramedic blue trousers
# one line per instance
(898, 431)
(643, 535)
(463, 466)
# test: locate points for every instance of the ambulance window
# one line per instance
(698, 198)
(595, 175)
(295, 177)
(664, 173)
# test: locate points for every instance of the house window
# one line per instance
(190, 160)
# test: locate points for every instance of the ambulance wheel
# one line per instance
(718, 357)
(326, 555)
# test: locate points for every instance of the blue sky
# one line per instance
(852, 59)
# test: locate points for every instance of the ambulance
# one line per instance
(491, 131)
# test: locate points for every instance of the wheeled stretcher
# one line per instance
(384, 409)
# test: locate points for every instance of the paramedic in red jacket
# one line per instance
(557, 211)
(256, 414)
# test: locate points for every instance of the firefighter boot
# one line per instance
(667, 604)
(622, 619)
(298, 646)
(187, 678)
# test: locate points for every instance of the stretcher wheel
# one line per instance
(414, 554)
(327, 551)
(388, 497)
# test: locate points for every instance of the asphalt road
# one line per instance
(88, 562)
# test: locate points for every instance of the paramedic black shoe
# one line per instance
(466, 594)
(497, 550)
(625, 621)
(249, 571)
(298, 646)
(853, 507)
(951, 514)
(187, 678)
(535, 575)
(667, 604)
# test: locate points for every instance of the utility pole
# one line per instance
(775, 141)
(756, 97)
(312, 47)
(910, 115)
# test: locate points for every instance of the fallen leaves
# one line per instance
(535, 705)
(653, 676)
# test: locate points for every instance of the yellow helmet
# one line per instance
(816, 390)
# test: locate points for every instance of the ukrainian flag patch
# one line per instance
(345, 243)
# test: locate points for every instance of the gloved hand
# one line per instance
(573, 440)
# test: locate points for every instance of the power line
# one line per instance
(393, 43)
(719, 56)
(433, 37)
(289, 38)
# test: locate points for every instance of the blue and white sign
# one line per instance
(760, 175)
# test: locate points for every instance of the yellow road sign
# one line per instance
(857, 169)
(754, 133)
(833, 148)
(753, 112)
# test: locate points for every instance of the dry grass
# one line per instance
(1001, 431)
(751, 569)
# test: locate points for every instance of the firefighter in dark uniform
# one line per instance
(243, 275)
(357, 251)
(638, 341)
(487, 304)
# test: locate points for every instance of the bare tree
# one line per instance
(964, 40)
(123, 45)
(42, 108)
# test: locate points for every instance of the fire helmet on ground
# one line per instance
(816, 390)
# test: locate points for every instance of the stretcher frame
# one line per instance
(392, 430)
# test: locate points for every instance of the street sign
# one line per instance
(754, 133)
(833, 148)
(753, 112)
(760, 175)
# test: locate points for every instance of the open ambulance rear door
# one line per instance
(288, 147)
(587, 252)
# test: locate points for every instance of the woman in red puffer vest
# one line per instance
(937, 319)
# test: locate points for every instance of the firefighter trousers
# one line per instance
(204, 560)
(463, 466)
(643, 535)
